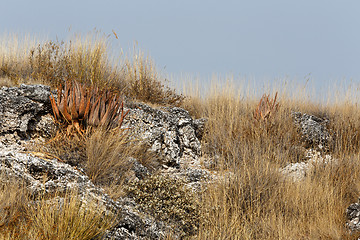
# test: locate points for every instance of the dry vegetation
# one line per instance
(24, 216)
(256, 202)
(253, 201)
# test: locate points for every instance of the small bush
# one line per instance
(168, 200)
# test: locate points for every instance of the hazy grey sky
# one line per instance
(258, 38)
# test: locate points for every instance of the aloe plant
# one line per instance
(79, 106)
(266, 107)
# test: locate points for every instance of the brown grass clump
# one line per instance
(83, 59)
(345, 128)
(14, 55)
(256, 203)
(232, 135)
(68, 218)
(105, 155)
(108, 155)
(13, 203)
(58, 217)
(144, 82)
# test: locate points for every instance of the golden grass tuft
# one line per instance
(13, 203)
(55, 217)
(144, 82)
(68, 218)
(108, 155)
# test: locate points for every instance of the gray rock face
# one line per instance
(171, 132)
(24, 109)
(313, 131)
(353, 217)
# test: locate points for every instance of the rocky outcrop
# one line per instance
(317, 142)
(23, 110)
(51, 176)
(171, 132)
(313, 131)
(25, 117)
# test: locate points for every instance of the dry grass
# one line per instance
(85, 59)
(256, 203)
(13, 203)
(253, 201)
(105, 155)
(68, 218)
(233, 134)
(58, 217)
(14, 56)
(108, 155)
(143, 82)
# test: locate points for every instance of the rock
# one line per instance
(44, 175)
(171, 132)
(25, 110)
(135, 225)
(313, 131)
(353, 217)
(298, 171)
(200, 127)
(140, 171)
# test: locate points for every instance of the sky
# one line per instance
(260, 40)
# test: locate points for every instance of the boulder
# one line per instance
(23, 110)
(353, 217)
(169, 131)
(313, 131)
(298, 171)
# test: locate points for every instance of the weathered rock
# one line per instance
(298, 171)
(171, 132)
(353, 217)
(140, 170)
(134, 225)
(313, 131)
(25, 110)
